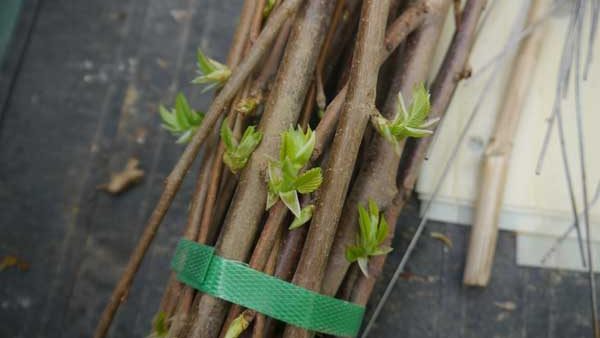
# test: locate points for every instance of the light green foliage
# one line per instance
(210, 72)
(305, 216)
(237, 153)
(409, 122)
(284, 178)
(373, 229)
(160, 328)
(181, 121)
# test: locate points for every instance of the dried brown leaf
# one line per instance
(123, 180)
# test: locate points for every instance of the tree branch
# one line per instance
(360, 101)
(281, 111)
(173, 181)
(377, 181)
(442, 90)
(408, 21)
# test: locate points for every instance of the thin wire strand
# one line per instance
(595, 4)
(438, 186)
(579, 115)
(566, 59)
(570, 229)
(480, 25)
(513, 41)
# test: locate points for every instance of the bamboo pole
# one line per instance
(496, 159)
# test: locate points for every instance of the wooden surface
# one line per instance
(496, 158)
(81, 95)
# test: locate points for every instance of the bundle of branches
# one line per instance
(296, 181)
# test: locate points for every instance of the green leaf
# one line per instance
(382, 230)
(160, 328)
(419, 107)
(290, 199)
(363, 264)
(364, 221)
(401, 110)
(417, 132)
(271, 200)
(185, 137)
(168, 118)
(284, 178)
(382, 250)
(237, 154)
(354, 252)
(408, 122)
(309, 181)
(250, 140)
(305, 216)
(374, 215)
(227, 136)
(211, 72)
(202, 62)
(304, 151)
(182, 121)
(373, 230)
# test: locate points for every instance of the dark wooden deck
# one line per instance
(78, 92)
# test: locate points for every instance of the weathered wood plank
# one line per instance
(51, 121)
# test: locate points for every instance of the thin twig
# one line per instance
(563, 78)
(173, 288)
(175, 178)
(359, 103)
(583, 169)
(377, 181)
(566, 58)
(405, 24)
(180, 316)
(257, 20)
(281, 110)
(515, 40)
(570, 229)
(442, 91)
(595, 4)
(323, 57)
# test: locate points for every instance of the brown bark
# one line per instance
(173, 287)
(407, 22)
(173, 181)
(281, 111)
(377, 180)
(359, 103)
(442, 90)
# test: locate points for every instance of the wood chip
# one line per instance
(441, 237)
(506, 306)
(123, 180)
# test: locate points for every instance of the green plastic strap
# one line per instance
(197, 266)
